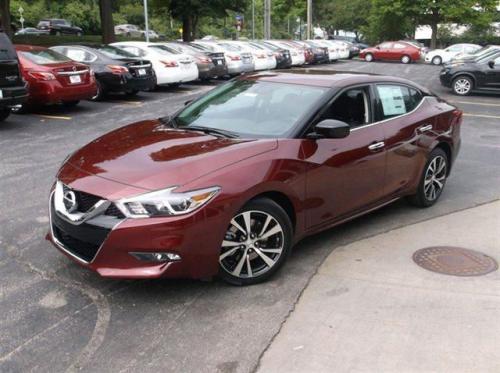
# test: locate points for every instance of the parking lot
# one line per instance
(58, 316)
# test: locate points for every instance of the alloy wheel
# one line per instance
(436, 60)
(435, 177)
(462, 86)
(368, 58)
(405, 59)
(253, 244)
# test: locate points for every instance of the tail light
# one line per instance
(42, 75)
(278, 55)
(204, 59)
(170, 63)
(117, 69)
(234, 57)
(261, 56)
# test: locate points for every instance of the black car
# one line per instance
(56, 26)
(115, 70)
(12, 86)
(484, 52)
(208, 67)
(320, 53)
(482, 74)
(283, 57)
(218, 58)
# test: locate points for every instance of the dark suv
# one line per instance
(58, 27)
(12, 86)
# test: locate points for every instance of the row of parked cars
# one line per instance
(67, 74)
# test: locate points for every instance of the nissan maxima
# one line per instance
(228, 184)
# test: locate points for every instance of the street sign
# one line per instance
(21, 10)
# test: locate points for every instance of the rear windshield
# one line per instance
(163, 49)
(44, 56)
(115, 53)
(7, 52)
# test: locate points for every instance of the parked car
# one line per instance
(31, 31)
(333, 49)
(57, 26)
(482, 74)
(262, 59)
(233, 180)
(297, 55)
(237, 62)
(392, 51)
(129, 30)
(484, 52)
(304, 48)
(353, 49)
(283, 58)
(439, 56)
(54, 78)
(170, 67)
(115, 70)
(13, 90)
(343, 48)
(319, 53)
(208, 67)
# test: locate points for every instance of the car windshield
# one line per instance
(7, 52)
(251, 109)
(114, 52)
(44, 56)
(163, 49)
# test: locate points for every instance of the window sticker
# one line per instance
(392, 100)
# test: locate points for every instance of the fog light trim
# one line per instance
(158, 257)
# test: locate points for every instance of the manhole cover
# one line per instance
(454, 261)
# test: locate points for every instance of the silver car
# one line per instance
(237, 61)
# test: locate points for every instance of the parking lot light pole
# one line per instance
(146, 20)
(309, 19)
(253, 19)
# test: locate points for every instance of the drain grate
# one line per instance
(454, 261)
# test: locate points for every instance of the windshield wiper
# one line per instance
(169, 120)
(211, 131)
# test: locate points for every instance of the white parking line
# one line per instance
(53, 117)
(481, 116)
(474, 103)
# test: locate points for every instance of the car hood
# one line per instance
(151, 156)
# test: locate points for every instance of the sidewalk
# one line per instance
(370, 308)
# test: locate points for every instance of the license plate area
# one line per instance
(141, 72)
(75, 79)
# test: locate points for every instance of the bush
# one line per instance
(51, 40)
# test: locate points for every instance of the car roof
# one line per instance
(327, 78)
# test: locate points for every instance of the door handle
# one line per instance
(425, 128)
(376, 146)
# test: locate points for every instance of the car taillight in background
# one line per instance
(234, 57)
(42, 75)
(117, 69)
(204, 59)
(170, 63)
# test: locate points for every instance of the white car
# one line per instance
(439, 56)
(237, 61)
(129, 30)
(343, 49)
(333, 50)
(263, 59)
(170, 66)
(297, 55)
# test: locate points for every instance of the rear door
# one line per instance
(385, 51)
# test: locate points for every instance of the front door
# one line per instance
(492, 80)
(345, 175)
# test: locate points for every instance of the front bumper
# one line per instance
(195, 237)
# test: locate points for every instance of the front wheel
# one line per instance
(405, 59)
(256, 244)
(437, 60)
(433, 179)
(4, 113)
(369, 57)
(462, 85)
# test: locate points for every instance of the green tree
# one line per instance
(344, 15)
(107, 25)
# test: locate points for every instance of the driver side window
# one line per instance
(351, 107)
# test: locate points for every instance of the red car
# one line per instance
(53, 78)
(233, 180)
(392, 51)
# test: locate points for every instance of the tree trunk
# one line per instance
(107, 24)
(434, 28)
(5, 16)
(187, 28)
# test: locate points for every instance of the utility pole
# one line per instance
(253, 19)
(309, 19)
(146, 20)
(267, 19)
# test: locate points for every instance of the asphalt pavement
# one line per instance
(58, 316)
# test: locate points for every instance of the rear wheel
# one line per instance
(71, 103)
(433, 180)
(405, 59)
(4, 113)
(462, 85)
(101, 93)
(257, 243)
(369, 57)
(437, 60)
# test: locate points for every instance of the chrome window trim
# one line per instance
(139, 66)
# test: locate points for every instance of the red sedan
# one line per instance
(53, 78)
(392, 51)
(231, 182)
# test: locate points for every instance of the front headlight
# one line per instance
(166, 202)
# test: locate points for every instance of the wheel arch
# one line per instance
(446, 147)
(464, 73)
(283, 201)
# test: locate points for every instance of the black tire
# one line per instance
(4, 113)
(406, 59)
(70, 104)
(462, 85)
(132, 92)
(437, 60)
(101, 93)
(260, 208)
(369, 57)
(421, 198)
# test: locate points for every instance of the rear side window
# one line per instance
(44, 56)
(397, 100)
(7, 51)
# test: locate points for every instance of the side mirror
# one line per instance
(331, 129)
(491, 64)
